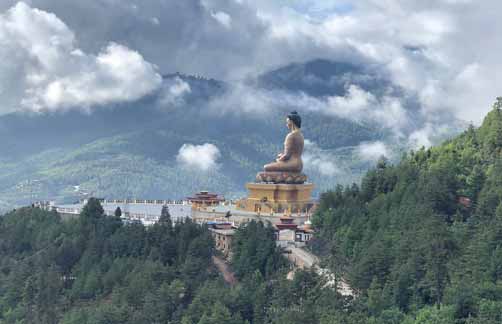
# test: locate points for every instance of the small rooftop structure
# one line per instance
(287, 222)
(288, 232)
(223, 234)
(219, 225)
(205, 199)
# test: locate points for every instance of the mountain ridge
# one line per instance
(150, 132)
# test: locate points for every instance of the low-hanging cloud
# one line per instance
(360, 105)
(372, 151)
(420, 45)
(173, 92)
(319, 161)
(223, 18)
(200, 157)
(429, 134)
(42, 69)
(356, 104)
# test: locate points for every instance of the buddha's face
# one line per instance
(289, 123)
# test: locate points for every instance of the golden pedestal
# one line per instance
(278, 198)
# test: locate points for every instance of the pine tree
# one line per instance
(93, 210)
(498, 103)
(165, 217)
(474, 182)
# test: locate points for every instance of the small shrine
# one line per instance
(288, 231)
(205, 199)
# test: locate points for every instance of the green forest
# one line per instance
(420, 242)
(424, 237)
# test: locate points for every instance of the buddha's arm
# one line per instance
(288, 145)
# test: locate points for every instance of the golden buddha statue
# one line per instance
(282, 187)
(291, 159)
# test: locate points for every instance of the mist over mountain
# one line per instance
(159, 146)
(322, 77)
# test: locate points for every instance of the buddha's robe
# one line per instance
(291, 159)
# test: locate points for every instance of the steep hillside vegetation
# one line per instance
(425, 232)
(97, 270)
(419, 242)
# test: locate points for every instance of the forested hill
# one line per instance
(426, 232)
(420, 242)
(97, 270)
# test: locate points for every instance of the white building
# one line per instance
(145, 211)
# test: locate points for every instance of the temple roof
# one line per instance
(205, 196)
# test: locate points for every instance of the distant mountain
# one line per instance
(323, 78)
(130, 149)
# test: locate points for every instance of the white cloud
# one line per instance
(201, 157)
(431, 48)
(355, 102)
(223, 18)
(319, 161)
(360, 105)
(429, 134)
(426, 46)
(372, 151)
(356, 105)
(241, 98)
(173, 91)
(420, 137)
(43, 70)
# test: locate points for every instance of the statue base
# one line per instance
(281, 177)
(280, 198)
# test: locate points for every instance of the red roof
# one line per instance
(286, 219)
(205, 196)
(286, 223)
(286, 226)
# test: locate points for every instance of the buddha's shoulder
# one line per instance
(297, 134)
(294, 137)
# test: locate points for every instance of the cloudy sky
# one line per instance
(57, 54)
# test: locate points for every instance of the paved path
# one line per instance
(224, 269)
(304, 259)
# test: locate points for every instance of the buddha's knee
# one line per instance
(270, 167)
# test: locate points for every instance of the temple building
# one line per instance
(281, 189)
(146, 211)
(287, 232)
(223, 234)
(204, 200)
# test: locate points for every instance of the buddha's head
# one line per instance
(294, 120)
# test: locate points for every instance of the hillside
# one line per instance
(419, 241)
(95, 269)
(425, 232)
(130, 149)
